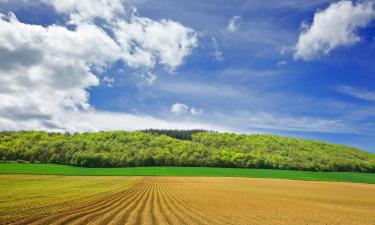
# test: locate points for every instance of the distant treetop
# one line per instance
(178, 134)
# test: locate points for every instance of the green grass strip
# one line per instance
(52, 169)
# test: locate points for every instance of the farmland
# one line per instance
(23, 195)
(171, 177)
(184, 200)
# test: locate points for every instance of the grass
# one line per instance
(53, 169)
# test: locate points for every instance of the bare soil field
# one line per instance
(203, 200)
(26, 195)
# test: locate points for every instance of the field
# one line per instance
(29, 194)
(182, 200)
(52, 169)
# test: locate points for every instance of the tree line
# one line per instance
(172, 148)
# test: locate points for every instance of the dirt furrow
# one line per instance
(203, 208)
(172, 212)
(77, 210)
(105, 215)
(160, 211)
(71, 203)
(123, 216)
(137, 213)
(110, 215)
(87, 216)
(67, 217)
(196, 213)
(126, 210)
(205, 211)
(189, 216)
(148, 211)
(97, 214)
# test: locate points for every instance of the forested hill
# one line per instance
(150, 148)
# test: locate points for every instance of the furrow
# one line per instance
(67, 217)
(135, 216)
(97, 214)
(181, 211)
(110, 215)
(174, 214)
(68, 213)
(122, 217)
(148, 215)
(160, 208)
(205, 210)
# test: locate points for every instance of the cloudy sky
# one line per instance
(281, 67)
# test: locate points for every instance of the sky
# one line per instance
(279, 67)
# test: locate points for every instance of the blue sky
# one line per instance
(280, 67)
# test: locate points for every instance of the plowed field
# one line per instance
(202, 200)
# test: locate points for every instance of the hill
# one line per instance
(125, 149)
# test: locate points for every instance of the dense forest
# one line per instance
(178, 134)
(181, 148)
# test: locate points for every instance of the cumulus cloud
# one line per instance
(333, 27)
(54, 72)
(356, 93)
(45, 71)
(180, 108)
(88, 10)
(233, 24)
(145, 42)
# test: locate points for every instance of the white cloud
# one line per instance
(196, 111)
(87, 10)
(218, 55)
(108, 81)
(336, 26)
(145, 42)
(45, 72)
(149, 77)
(357, 93)
(233, 24)
(180, 109)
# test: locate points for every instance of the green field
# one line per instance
(52, 169)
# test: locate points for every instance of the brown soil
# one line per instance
(202, 200)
